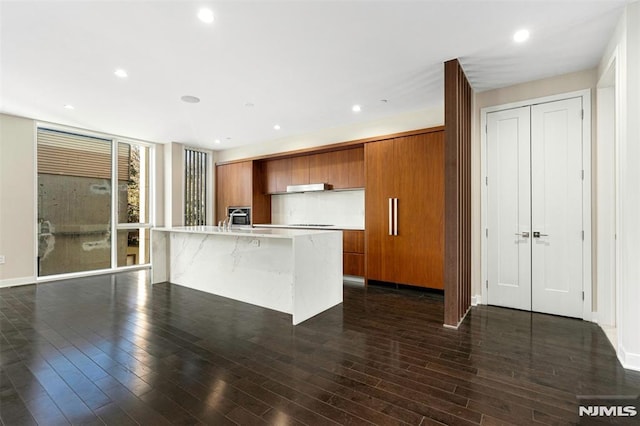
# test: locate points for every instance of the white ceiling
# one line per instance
(302, 64)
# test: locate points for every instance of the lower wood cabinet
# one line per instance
(353, 253)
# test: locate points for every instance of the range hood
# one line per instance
(310, 187)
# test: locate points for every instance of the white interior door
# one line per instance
(509, 208)
(556, 214)
(534, 208)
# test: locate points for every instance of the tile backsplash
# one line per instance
(341, 208)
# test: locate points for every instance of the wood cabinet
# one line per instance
(353, 252)
(343, 169)
(278, 174)
(242, 184)
(355, 167)
(300, 170)
(233, 186)
(411, 170)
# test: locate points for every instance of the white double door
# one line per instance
(534, 208)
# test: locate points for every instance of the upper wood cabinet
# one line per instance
(233, 186)
(405, 186)
(355, 167)
(278, 174)
(300, 170)
(342, 169)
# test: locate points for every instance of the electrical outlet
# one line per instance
(1, 259)
(255, 243)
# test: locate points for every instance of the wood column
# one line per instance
(457, 153)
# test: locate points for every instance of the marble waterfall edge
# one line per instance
(294, 271)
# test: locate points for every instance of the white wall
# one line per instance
(605, 202)
(159, 187)
(534, 89)
(420, 119)
(625, 44)
(173, 184)
(17, 200)
(340, 208)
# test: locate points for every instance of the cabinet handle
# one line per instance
(390, 217)
(395, 216)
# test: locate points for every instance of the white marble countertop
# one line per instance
(249, 232)
(328, 228)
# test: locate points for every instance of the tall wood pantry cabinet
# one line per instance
(404, 209)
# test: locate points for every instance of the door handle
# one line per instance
(537, 234)
(395, 216)
(390, 216)
(523, 234)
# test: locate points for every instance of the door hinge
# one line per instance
(486, 180)
(582, 174)
(487, 283)
(582, 235)
(583, 295)
(486, 128)
(582, 114)
(486, 232)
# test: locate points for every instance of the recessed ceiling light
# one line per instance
(121, 73)
(520, 36)
(217, 141)
(190, 99)
(276, 127)
(67, 106)
(356, 108)
(205, 15)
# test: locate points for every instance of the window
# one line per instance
(195, 187)
(78, 212)
(133, 192)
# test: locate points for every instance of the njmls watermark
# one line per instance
(616, 409)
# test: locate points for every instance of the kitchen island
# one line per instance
(295, 271)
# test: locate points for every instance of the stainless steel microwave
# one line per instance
(239, 215)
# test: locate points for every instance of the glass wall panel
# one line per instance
(133, 246)
(133, 182)
(74, 202)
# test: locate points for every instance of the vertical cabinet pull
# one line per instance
(395, 216)
(390, 217)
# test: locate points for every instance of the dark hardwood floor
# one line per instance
(115, 350)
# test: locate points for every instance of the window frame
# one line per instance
(115, 225)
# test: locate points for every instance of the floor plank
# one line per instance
(114, 349)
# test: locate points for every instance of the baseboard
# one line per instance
(11, 282)
(476, 300)
(628, 360)
(353, 279)
(455, 327)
